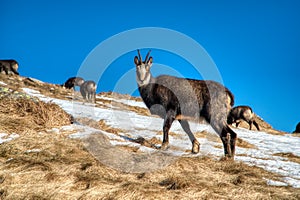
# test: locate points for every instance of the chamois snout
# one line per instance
(142, 73)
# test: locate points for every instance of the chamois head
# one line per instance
(143, 75)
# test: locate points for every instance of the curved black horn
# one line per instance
(146, 60)
(140, 57)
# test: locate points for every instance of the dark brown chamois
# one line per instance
(88, 91)
(297, 130)
(72, 82)
(178, 98)
(9, 67)
(239, 113)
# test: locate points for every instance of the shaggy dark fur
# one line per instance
(88, 91)
(239, 113)
(9, 66)
(72, 82)
(178, 98)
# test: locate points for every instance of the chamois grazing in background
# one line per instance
(9, 67)
(239, 113)
(174, 98)
(72, 82)
(88, 91)
(297, 130)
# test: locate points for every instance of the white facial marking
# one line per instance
(143, 75)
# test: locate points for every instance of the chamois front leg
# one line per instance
(256, 125)
(250, 125)
(169, 118)
(186, 127)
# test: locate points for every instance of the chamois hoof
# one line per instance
(228, 157)
(196, 147)
(164, 146)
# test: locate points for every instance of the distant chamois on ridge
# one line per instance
(88, 91)
(9, 67)
(245, 113)
(72, 82)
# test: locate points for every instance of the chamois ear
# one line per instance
(150, 61)
(136, 61)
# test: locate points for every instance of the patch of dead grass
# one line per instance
(103, 126)
(20, 115)
(170, 133)
(63, 168)
(120, 105)
(290, 156)
(120, 96)
(128, 148)
(296, 134)
(244, 144)
(203, 134)
(215, 138)
(152, 143)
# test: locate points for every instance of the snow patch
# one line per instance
(33, 151)
(134, 126)
(6, 138)
(125, 101)
(276, 183)
(2, 83)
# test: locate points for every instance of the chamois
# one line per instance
(9, 67)
(88, 91)
(239, 113)
(297, 130)
(174, 98)
(72, 82)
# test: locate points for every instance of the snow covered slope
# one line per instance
(136, 131)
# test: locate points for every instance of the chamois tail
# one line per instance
(230, 96)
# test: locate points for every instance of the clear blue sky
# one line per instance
(254, 44)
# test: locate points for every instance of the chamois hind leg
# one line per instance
(94, 97)
(186, 127)
(91, 97)
(232, 141)
(169, 118)
(228, 137)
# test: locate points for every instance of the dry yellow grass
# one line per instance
(20, 115)
(40, 165)
(62, 168)
(52, 166)
(120, 96)
(290, 156)
(121, 106)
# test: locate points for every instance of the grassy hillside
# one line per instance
(43, 162)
